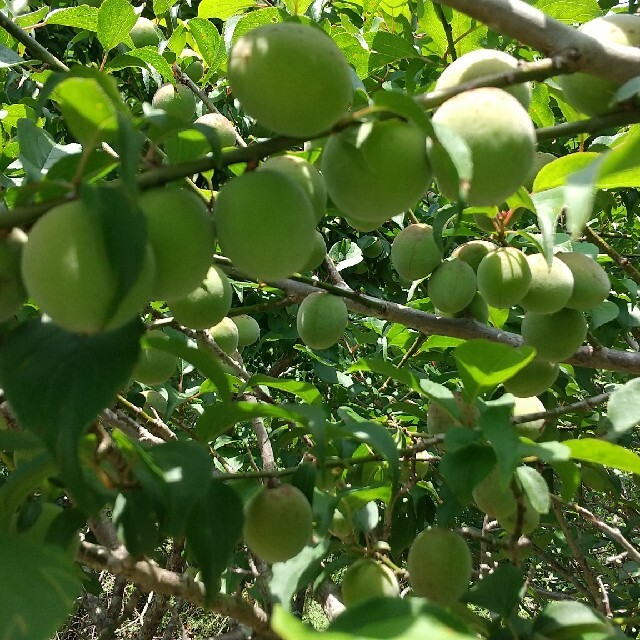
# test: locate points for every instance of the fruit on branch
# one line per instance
(278, 523)
(12, 292)
(341, 526)
(555, 336)
(473, 251)
(590, 281)
(535, 378)
(366, 579)
(550, 287)
(480, 63)
(305, 175)
(192, 65)
(68, 273)
(322, 320)
(317, 253)
(180, 232)
(226, 335)
(414, 252)
(291, 78)
(371, 246)
(439, 565)
(541, 159)
(207, 304)
(452, 285)
(498, 220)
(177, 102)
(440, 421)
(529, 520)
(154, 366)
(265, 224)
(144, 33)
(477, 309)
(221, 125)
(196, 142)
(591, 94)
(501, 139)
(494, 496)
(248, 329)
(533, 428)
(376, 170)
(504, 277)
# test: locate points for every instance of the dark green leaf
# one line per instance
(535, 488)
(500, 591)
(9, 58)
(465, 467)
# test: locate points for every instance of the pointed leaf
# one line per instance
(623, 409)
(535, 488)
(500, 591)
(605, 453)
(115, 20)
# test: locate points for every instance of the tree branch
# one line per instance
(582, 405)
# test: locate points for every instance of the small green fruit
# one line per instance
(568, 619)
(248, 329)
(533, 379)
(555, 336)
(414, 252)
(376, 170)
(177, 102)
(590, 281)
(12, 292)
(207, 304)
(532, 429)
(550, 287)
(366, 579)
(501, 138)
(225, 334)
(278, 523)
(341, 526)
(493, 497)
(145, 33)
(154, 366)
(452, 285)
(322, 320)
(291, 78)
(180, 232)
(192, 64)
(265, 224)
(316, 254)
(504, 277)
(371, 246)
(472, 252)
(221, 125)
(439, 565)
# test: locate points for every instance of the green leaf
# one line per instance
(579, 194)
(115, 19)
(465, 467)
(147, 57)
(345, 254)
(535, 488)
(500, 591)
(39, 585)
(209, 41)
(539, 109)
(9, 58)
(403, 105)
(214, 528)
(623, 408)
(388, 48)
(135, 518)
(555, 173)
(81, 17)
(160, 7)
(548, 207)
(602, 313)
(605, 453)
(621, 167)
(483, 365)
(571, 12)
(304, 390)
(297, 7)
(223, 9)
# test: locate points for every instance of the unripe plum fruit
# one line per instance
(493, 497)
(248, 329)
(290, 77)
(154, 366)
(590, 94)
(550, 287)
(225, 334)
(321, 320)
(317, 253)
(535, 378)
(192, 143)
(191, 63)
(591, 283)
(555, 336)
(504, 277)
(265, 224)
(372, 247)
(452, 285)
(144, 33)
(414, 252)
(439, 565)
(278, 523)
(522, 406)
(180, 233)
(177, 102)
(221, 125)
(365, 226)
(207, 304)
(376, 170)
(477, 309)
(439, 421)
(305, 175)
(483, 62)
(341, 526)
(12, 292)
(366, 579)
(78, 294)
(473, 251)
(501, 138)
(530, 518)
(500, 220)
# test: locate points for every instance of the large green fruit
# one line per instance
(180, 232)
(265, 224)
(12, 292)
(321, 320)
(144, 33)
(226, 335)
(452, 285)
(493, 497)
(555, 336)
(278, 523)
(591, 94)
(317, 253)
(291, 78)
(504, 277)
(501, 138)
(366, 579)
(177, 102)
(305, 175)
(414, 252)
(523, 406)
(192, 143)
(590, 281)
(154, 366)
(440, 421)
(473, 251)
(533, 379)
(550, 287)
(483, 62)
(439, 565)
(248, 329)
(221, 125)
(207, 304)
(376, 170)
(66, 270)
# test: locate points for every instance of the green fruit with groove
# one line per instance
(473, 251)
(223, 127)
(452, 286)
(535, 378)
(178, 102)
(551, 285)
(533, 428)
(493, 496)
(591, 283)
(248, 329)
(555, 336)
(317, 253)
(154, 366)
(225, 333)
(145, 33)
(439, 420)
(366, 579)
(504, 277)
(322, 319)
(414, 252)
